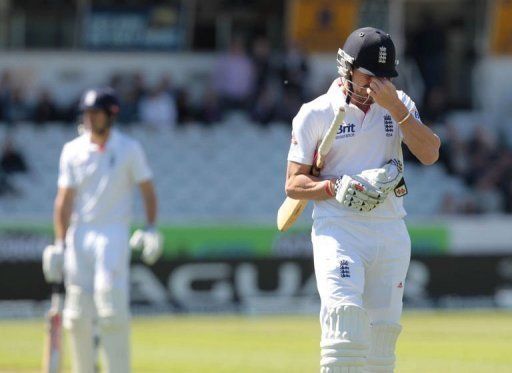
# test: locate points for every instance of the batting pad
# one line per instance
(381, 357)
(78, 320)
(345, 340)
(114, 322)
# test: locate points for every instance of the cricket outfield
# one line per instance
(430, 342)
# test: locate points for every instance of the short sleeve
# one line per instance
(66, 177)
(304, 138)
(409, 104)
(411, 107)
(139, 165)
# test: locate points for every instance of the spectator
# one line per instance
(45, 109)
(6, 188)
(453, 152)
(5, 93)
(265, 106)
(487, 197)
(129, 107)
(428, 48)
(139, 86)
(167, 85)
(158, 109)
(12, 160)
(209, 110)
(179, 96)
(234, 77)
(289, 105)
(17, 108)
(264, 71)
(294, 69)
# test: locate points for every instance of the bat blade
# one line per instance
(52, 359)
(291, 209)
(289, 212)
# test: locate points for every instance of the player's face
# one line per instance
(360, 84)
(97, 120)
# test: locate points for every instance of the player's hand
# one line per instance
(151, 242)
(385, 178)
(383, 93)
(356, 193)
(53, 263)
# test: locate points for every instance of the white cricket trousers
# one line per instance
(97, 257)
(96, 276)
(362, 262)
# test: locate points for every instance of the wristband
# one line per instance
(405, 118)
(59, 243)
(328, 189)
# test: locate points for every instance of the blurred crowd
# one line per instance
(269, 86)
(484, 163)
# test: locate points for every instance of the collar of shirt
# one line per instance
(337, 98)
(111, 140)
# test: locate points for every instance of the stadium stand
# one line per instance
(232, 171)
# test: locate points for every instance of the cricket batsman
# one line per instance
(98, 173)
(360, 241)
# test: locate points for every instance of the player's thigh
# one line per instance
(79, 259)
(339, 268)
(385, 278)
(112, 258)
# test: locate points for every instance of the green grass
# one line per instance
(430, 342)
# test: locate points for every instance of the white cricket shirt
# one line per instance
(104, 178)
(364, 141)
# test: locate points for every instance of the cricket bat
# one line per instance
(291, 208)
(52, 358)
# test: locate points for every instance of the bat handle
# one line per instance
(317, 166)
(57, 298)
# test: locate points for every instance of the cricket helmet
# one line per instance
(371, 51)
(100, 98)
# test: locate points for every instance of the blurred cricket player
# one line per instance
(360, 241)
(98, 173)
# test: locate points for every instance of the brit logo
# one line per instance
(388, 125)
(344, 269)
(346, 130)
(382, 54)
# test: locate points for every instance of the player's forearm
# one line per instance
(151, 210)
(309, 187)
(420, 139)
(150, 201)
(61, 217)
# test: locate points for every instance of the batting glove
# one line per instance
(385, 178)
(357, 194)
(53, 262)
(151, 243)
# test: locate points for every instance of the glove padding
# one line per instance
(151, 242)
(365, 191)
(385, 178)
(53, 263)
(356, 193)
